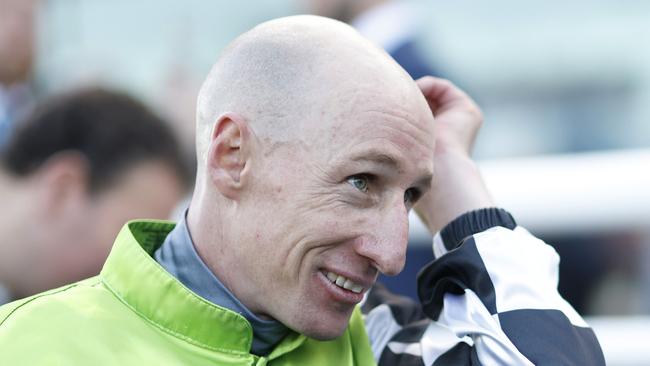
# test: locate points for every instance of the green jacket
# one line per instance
(135, 313)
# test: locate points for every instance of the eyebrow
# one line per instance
(388, 160)
(378, 158)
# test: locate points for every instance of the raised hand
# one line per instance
(457, 184)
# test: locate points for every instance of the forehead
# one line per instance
(384, 128)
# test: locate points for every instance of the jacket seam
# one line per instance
(152, 227)
(169, 331)
(54, 292)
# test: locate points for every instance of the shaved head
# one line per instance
(291, 70)
(312, 146)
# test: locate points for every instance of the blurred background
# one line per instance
(564, 86)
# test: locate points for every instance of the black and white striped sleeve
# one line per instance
(489, 298)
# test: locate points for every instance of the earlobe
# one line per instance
(228, 154)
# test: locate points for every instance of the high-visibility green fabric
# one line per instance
(135, 313)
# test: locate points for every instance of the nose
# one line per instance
(386, 240)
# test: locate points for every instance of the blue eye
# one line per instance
(360, 182)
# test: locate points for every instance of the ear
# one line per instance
(64, 181)
(229, 154)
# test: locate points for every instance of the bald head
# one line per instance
(312, 143)
(284, 72)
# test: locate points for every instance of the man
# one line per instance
(73, 173)
(313, 145)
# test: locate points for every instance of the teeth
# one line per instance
(357, 288)
(340, 281)
(344, 282)
(331, 276)
(348, 284)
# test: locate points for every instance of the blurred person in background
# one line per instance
(72, 174)
(16, 58)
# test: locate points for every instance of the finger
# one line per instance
(441, 94)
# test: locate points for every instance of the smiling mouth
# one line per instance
(343, 282)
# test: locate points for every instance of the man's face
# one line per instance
(330, 210)
(83, 238)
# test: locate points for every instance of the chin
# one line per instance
(325, 334)
(324, 329)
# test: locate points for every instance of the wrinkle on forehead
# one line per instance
(383, 117)
(420, 131)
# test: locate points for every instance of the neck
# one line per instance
(204, 224)
(179, 257)
(218, 243)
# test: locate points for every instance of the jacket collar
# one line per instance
(142, 284)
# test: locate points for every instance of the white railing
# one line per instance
(570, 193)
(624, 339)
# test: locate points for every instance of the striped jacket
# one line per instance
(490, 298)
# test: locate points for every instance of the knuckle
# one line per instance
(476, 112)
(446, 82)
